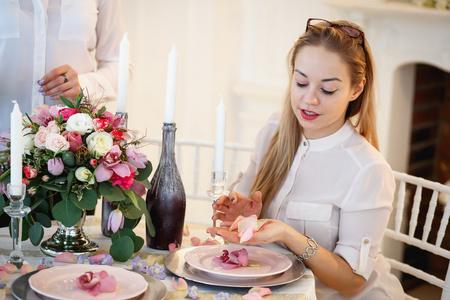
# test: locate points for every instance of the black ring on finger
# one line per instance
(65, 77)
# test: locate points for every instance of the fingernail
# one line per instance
(213, 203)
(232, 199)
(43, 93)
(41, 82)
(212, 218)
(51, 98)
(41, 89)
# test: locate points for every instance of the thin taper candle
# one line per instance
(122, 87)
(171, 88)
(219, 153)
(16, 150)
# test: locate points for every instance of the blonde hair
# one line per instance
(283, 146)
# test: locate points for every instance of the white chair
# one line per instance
(195, 160)
(405, 233)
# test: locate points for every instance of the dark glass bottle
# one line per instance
(107, 208)
(166, 199)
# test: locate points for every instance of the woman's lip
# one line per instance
(308, 117)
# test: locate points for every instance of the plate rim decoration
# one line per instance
(69, 272)
(199, 256)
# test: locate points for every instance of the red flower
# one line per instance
(101, 123)
(124, 182)
(93, 162)
(117, 135)
(30, 172)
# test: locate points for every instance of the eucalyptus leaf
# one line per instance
(133, 197)
(36, 233)
(110, 192)
(148, 218)
(87, 202)
(138, 243)
(144, 173)
(2, 203)
(56, 188)
(70, 178)
(67, 213)
(44, 220)
(68, 158)
(122, 249)
(122, 232)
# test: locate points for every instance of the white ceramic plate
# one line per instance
(58, 282)
(270, 262)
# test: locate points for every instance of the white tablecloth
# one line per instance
(299, 289)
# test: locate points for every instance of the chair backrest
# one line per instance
(406, 227)
(195, 161)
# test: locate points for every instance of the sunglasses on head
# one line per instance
(348, 30)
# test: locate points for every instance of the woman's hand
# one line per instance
(62, 80)
(230, 207)
(272, 231)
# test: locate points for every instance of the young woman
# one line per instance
(316, 172)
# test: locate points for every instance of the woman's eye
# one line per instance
(301, 84)
(328, 92)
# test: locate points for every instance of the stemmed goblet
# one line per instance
(218, 182)
(16, 210)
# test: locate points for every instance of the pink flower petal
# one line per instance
(26, 268)
(252, 296)
(66, 257)
(209, 241)
(181, 285)
(4, 276)
(40, 267)
(108, 284)
(96, 258)
(195, 241)
(234, 226)
(102, 173)
(8, 268)
(173, 247)
(260, 290)
(186, 230)
(246, 235)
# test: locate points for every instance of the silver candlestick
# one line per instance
(218, 182)
(16, 210)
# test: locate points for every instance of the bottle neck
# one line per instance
(168, 140)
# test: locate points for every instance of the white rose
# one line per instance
(56, 142)
(41, 136)
(99, 143)
(83, 174)
(27, 141)
(80, 123)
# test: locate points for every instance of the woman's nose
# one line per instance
(310, 97)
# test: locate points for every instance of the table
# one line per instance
(300, 289)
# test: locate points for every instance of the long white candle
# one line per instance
(16, 150)
(123, 74)
(219, 152)
(171, 88)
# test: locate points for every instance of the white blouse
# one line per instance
(37, 36)
(339, 190)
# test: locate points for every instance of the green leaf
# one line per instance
(38, 203)
(87, 202)
(144, 173)
(110, 192)
(131, 223)
(68, 158)
(36, 233)
(70, 178)
(67, 102)
(138, 243)
(79, 98)
(133, 197)
(66, 212)
(2, 203)
(56, 188)
(148, 219)
(122, 249)
(44, 220)
(147, 184)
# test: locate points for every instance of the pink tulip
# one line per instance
(115, 220)
(55, 166)
(66, 257)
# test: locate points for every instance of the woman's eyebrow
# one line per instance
(323, 80)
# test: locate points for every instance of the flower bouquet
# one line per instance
(81, 153)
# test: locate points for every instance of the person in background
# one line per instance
(55, 47)
(50, 48)
(316, 173)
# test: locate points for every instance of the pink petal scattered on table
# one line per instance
(260, 290)
(66, 257)
(8, 268)
(26, 268)
(4, 276)
(97, 257)
(252, 296)
(173, 247)
(181, 285)
(40, 267)
(186, 230)
(195, 241)
(210, 241)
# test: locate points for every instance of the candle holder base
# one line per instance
(218, 182)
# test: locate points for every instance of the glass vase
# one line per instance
(166, 199)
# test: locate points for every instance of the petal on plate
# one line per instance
(66, 257)
(108, 284)
(181, 285)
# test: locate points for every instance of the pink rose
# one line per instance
(136, 158)
(56, 142)
(67, 112)
(101, 123)
(73, 139)
(30, 172)
(53, 127)
(40, 138)
(55, 166)
(124, 182)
